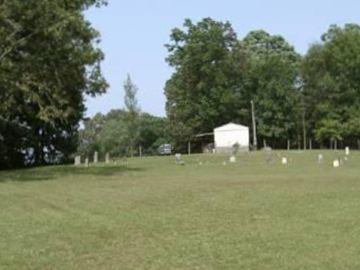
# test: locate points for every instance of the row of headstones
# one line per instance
(284, 160)
(336, 163)
(95, 160)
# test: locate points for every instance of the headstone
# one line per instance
(96, 157)
(269, 155)
(232, 159)
(178, 158)
(284, 161)
(77, 160)
(336, 163)
(107, 158)
(347, 151)
(320, 158)
(87, 162)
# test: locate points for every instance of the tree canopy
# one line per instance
(49, 61)
(216, 76)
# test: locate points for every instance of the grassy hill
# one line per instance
(150, 213)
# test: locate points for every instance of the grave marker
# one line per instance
(77, 161)
(87, 162)
(284, 161)
(107, 158)
(320, 158)
(178, 159)
(96, 157)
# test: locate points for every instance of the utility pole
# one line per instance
(304, 129)
(254, 125)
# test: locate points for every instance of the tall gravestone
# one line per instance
(77, 161)
(87, 162)
(96, 157)
(107, 158)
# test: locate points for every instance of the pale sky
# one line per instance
(134, 33)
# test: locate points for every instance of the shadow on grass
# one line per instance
(55, 172)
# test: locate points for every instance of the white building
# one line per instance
(230, 134)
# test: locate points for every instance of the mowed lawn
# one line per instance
(153, 214)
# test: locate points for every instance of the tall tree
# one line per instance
(332, 83)
(199, 93)
(48, 63)
(271, 78)
(133, 112)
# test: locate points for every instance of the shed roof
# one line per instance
(231, 126)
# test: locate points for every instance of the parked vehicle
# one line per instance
(164, 149)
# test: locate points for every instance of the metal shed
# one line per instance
(230, 134)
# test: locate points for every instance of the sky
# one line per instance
(134, 32)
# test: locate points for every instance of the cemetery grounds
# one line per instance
(150, 213)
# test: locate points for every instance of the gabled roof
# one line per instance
(231, 126)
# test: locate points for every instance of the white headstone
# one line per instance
(77, 160)
(232, 159)
(87, 162)
(284, 161)
(107, 158)
(336, 163)
(178, 158)
(347, 151)
(96, 157)
(320, 158)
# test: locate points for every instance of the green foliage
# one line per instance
(111, 134)
(48, 62)
(332, 80)
(216, 76)
(329, 129)
(133, 111)
(270, 80)
(199, 94)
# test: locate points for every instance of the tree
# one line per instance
(271, 77)
(332, 81)
(217, 76)
(329, 129)
(48, 62)
(133, 111)
(110, 134)
(199, 93)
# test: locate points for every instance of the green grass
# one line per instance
(153, 214)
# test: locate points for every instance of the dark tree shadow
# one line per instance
(55, 172)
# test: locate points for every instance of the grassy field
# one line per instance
(153, 214)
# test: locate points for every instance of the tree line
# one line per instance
(124, 132)
(298, 98)
(50, 61)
